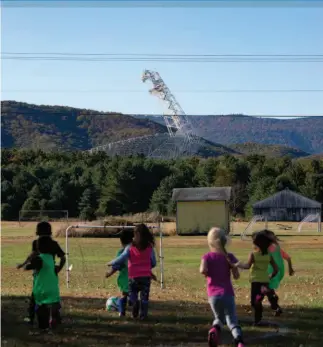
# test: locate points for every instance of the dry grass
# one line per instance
(180, 315)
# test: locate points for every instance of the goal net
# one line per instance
(311, 223)
(26, 216)
(87, 253)
(254, 222)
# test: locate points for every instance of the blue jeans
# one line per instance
(224, 311)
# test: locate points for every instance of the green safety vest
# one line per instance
(46, 287)
(123, 281)
(275, 281)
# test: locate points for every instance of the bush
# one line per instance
(96, 232)
(169, 228)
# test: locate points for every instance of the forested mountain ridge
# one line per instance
(65, 128)
(59, 127)
(304, 134)
(249, 148)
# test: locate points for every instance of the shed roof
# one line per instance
(202, 194)
(287, 199)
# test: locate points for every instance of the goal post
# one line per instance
(253, 221)
(43, 215)
(82, 226)
(311, 218)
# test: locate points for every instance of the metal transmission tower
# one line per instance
(182, 139)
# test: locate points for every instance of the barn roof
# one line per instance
(287, 199)
(202, 194)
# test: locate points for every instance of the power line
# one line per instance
(173, 58)
(198, 91)
(166, 55)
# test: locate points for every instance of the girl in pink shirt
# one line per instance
(141, 259)
(216, 265)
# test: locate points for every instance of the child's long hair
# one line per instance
(217, 239)
(143, 237)
(262, 241)
(271, 235)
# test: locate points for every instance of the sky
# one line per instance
(117, 86)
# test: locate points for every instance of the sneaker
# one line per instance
(257, 323)
(29, 321)
(214, 337)
(238, 342)
(278, 312)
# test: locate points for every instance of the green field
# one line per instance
(179, 314)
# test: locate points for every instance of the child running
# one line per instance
(141, 259)
(258, 263)
(216, 265)
(43, 229)
(279, 255)
(122, 281)
(45, 286)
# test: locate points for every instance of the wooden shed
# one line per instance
(199, 209)
(286, 205)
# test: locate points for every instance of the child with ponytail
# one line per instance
(217, 266)
(141, 259)
(258, 263)
(279, 255)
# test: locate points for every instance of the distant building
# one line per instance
(286, 205)
(199, 209)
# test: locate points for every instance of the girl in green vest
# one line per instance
(45, 286)
(258, 263)
(279, 255)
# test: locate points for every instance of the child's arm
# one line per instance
(61, 255)
(121, 259)
(35, 264)
(234, 270)
(28, 259)
(289, 262)
(235, 273)
(153, 277)
(203, 267)
(247, 265)
(110, 273)
(275, 267)
(153, 259)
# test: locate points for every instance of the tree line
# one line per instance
(91, 186)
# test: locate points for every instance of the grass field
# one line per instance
(179, 314)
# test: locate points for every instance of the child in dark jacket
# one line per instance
(45, 285)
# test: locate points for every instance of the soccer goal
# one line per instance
(249, 228)
(308, 223)
(43, 215)
(69, 266)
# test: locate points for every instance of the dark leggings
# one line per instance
(31, 308)
(48, 316)
(258, 292)
(139, 285)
